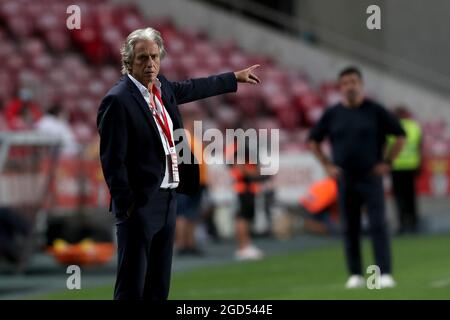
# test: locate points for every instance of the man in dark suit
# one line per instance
(136, 121)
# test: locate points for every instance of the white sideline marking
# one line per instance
(441, 283)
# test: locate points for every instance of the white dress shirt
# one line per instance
(146, 94)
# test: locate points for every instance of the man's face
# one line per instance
(351, 87)
(146, 62)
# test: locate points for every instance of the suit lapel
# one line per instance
(142, 104)
(170, 107)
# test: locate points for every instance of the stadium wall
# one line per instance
(415, 30)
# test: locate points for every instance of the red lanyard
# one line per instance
(163, 123)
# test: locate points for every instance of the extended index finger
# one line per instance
(253, 67)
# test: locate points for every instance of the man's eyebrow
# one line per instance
(145, 54)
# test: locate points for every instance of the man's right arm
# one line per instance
(331, 170)
(112, 127)
(317, 134)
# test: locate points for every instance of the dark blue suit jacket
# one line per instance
(131, 152)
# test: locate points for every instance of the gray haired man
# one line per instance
(136, 121)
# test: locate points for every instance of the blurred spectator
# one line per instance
(247, 185)
(357, 129)
(319, 206)
(405, 169)
(13, 230)
(189, 207)
(54, 123)
(22, 112)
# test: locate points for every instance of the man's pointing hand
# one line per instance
(247, 75)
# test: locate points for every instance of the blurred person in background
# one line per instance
(319, 207)
(136, 121)
(54, 123)
(405, 169)
(22, 112)
(269, 200)
(247, 184)
(357, 129)
(14, 229)
(189, 206)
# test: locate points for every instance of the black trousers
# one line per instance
(145, 246)
(354, 192)
(404, 190)
(247, 206)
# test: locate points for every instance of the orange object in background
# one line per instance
(321, 195)
(86, 252)
(238, 172)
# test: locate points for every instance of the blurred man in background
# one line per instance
(248, 185)
(319, 207)
(405, 169)
(14, 229)
(357, 128)
(189, 206)
(54, 123)
(22, 112)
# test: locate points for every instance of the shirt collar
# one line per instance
(142, 88)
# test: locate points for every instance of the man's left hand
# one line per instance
(381, 169)
(247, 75)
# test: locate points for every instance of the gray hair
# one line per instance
(127, 50)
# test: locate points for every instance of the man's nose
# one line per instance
(151, 62)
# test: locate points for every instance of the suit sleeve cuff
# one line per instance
(231, 81)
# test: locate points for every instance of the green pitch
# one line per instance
(421, 268)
